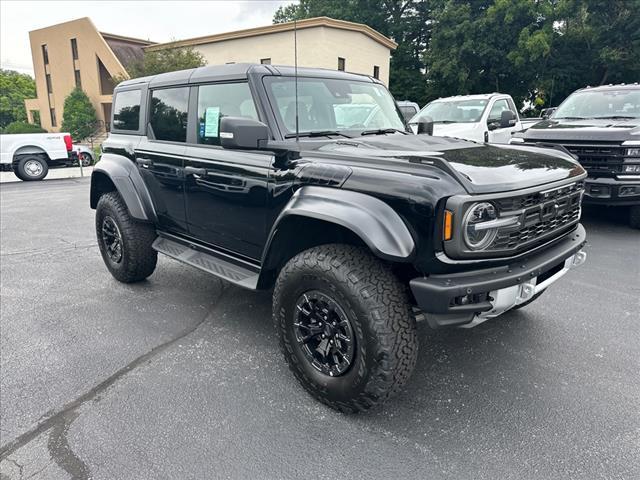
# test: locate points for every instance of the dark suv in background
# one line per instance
(271, 181)
(601, 126)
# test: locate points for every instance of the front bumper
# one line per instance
(462, 298)
(612, 191)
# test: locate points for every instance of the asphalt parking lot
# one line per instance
(180, 376)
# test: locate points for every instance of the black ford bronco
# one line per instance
(311, 185)
(601, 126)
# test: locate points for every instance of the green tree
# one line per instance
(14, 89)
(79, 117)
(407, 22)
(165, 60)
(538, 51)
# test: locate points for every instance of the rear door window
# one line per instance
(126, 110)
(221, 100)
(168, 116)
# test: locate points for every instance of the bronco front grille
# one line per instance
(598, 158)
(541, 215)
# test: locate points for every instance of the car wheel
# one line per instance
(86, 159)
(345, 326)
(31, 168)
(634, 216)
(124, 243)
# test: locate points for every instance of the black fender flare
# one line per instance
(372, 220)
(126, 178)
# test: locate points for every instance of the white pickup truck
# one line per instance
(29, 155)
(490, 117)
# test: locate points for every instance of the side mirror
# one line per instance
(547, 112)
(239, 132)
(507, 119)
(425, 125)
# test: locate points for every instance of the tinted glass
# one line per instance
(497, 109)
(332, 104)
(126, 110)
(452, 111)
(620, 103)
(221, 100)
(168, 116)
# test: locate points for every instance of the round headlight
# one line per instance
(476, 236)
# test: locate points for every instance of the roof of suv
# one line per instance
(620, 86)
(236, 71)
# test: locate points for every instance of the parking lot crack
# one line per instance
(61, 452)
(60, 420)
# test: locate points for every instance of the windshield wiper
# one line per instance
(616, 117)
(319, 133)
(382, 131)
(569, 118)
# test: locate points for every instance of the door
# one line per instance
(226, 190)
(160, 156)
(496, 133)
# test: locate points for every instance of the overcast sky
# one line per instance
(159, 21)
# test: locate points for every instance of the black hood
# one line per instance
(480, 168)
(595, 129)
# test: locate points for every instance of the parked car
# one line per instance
(490, 117)
(85, 154)
(29, 155)
(408, 109)
(355, 229)
(601, 127)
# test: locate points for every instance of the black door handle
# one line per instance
(195, 171)
(144, 162)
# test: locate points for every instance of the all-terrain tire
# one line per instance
(137, 259)
(634, 216)
(30, 168)
(377, 306)
(531, 300)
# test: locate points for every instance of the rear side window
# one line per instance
(126, 110)
(221, 100)
(168, 115)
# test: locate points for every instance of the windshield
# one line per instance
(326, 105)
(600, 104)
(452, 111)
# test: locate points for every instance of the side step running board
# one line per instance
(209, 262)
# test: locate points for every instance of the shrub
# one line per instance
(23, 127)
(79, 117)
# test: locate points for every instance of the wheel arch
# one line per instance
(29, 150)
(118, 173)
(337, 216)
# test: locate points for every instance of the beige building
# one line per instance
(74, 54)
(322, 42)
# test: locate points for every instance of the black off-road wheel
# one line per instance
(634, 216)
(345, 325)
(31, 168)
(125, 244)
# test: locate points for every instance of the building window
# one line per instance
(126, 110)
(341, 64)
(169, 114)
(49, 86)
(35, 116)
(74, 48)
(52, 111)
(78, 80)
(45, 54)
(376, 71)
(265, 61)
(105, 79)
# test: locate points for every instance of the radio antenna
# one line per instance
(295, 70)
